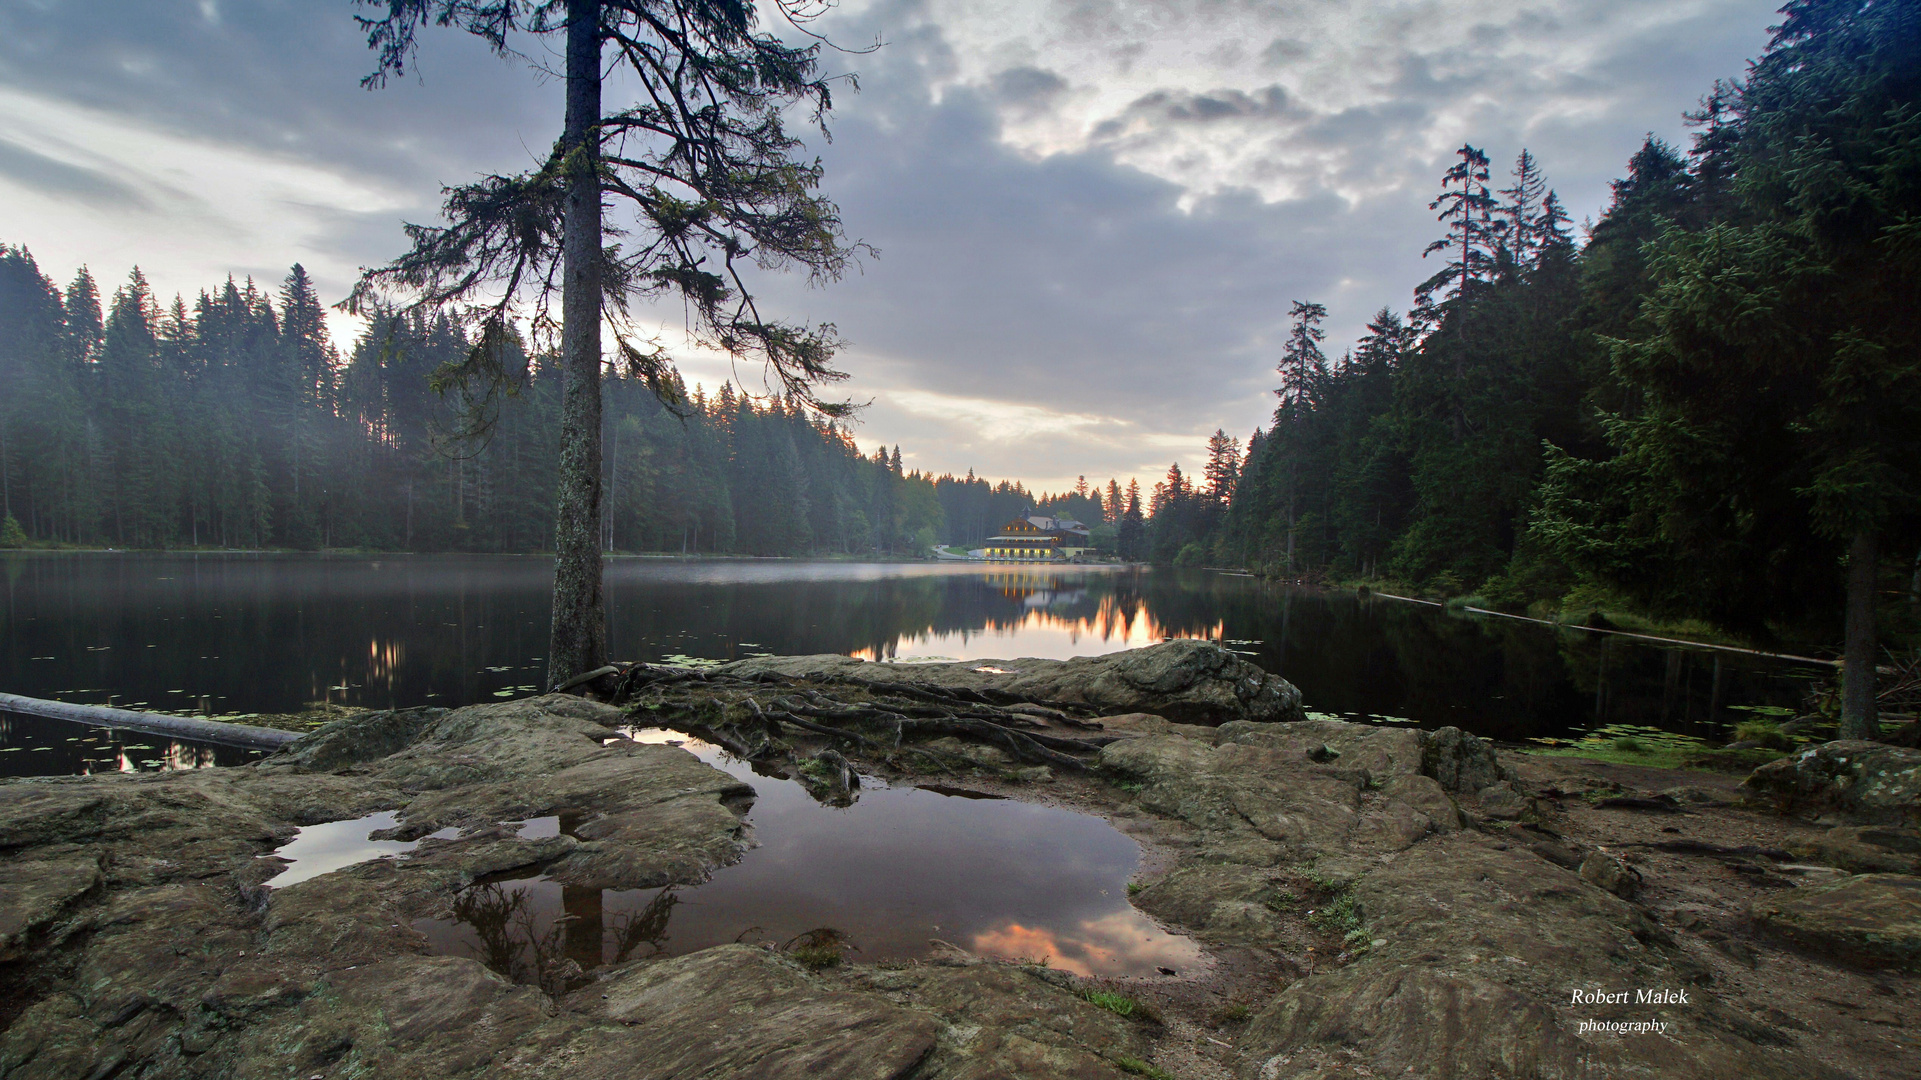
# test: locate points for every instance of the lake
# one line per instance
(227, 634)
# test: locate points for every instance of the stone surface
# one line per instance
(183, 965)
(1184, 681)
(161, 954)
(1007, 1022)
(1870, 919)
(1868, 849)
(1852, 781)
(738, 1011)
(1480, 945)
(1397, 925)
(35, 891)
(1427, 949)
(1610, 873)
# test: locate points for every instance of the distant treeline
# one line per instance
(234, 422)
(1708, 408)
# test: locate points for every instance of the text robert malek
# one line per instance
(1642, 996)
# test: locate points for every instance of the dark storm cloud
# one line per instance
(1180, 107)
(61, 180)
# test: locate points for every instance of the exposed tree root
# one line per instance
(884, 720)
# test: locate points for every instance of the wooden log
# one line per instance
(194, 729)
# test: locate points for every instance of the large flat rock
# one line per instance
(1870, 919)
(737, 1010)
(183, 964)
(1185, 681)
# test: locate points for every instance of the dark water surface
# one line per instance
(38, 746)
(235, 634)
(900, 867)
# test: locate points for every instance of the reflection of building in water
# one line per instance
(1038, 536)
(383, 660)
(1047, 624)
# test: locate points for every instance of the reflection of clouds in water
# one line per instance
(1116, 943)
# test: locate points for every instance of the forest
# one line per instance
(234, 422)
(1704, 404)
(1706, 407)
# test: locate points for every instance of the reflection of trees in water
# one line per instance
(267, 630)
(1497, 677)
(511, 941)
(507, 922)
(648, 926)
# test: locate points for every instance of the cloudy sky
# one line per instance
(1091, 214)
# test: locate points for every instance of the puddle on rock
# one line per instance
(335, 845)
(900, 868)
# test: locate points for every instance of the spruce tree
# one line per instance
(1520, 212)
(701, 168)
(1303, 371)
(1223, 467)
(1467, 206)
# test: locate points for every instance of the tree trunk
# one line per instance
(579, 638)
(1858, 720)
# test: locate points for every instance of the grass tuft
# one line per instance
(1234, 1012)
(1137, 1067)
(1120, 1004)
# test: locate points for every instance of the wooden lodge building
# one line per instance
(1038, 537)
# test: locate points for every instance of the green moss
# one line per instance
(1342, 915)
(1137, 1067)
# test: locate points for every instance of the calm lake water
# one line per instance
(235, 634)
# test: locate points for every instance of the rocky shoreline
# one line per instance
(1377, 901)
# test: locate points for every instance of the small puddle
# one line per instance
(336, 845)
(899, 868)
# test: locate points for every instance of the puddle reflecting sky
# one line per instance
(322, 849)
(899, 867)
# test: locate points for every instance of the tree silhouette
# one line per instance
(701, 175)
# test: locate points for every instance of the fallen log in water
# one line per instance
(195, 729)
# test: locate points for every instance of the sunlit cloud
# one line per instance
(998, 419)
(223, 208)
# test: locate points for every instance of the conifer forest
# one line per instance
(1704, 404)
(232, 421)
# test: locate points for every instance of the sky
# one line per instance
(1091, 216)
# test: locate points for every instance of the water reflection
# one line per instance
(334, 845)
(890, 874)
(41, 746)
(245, 634)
